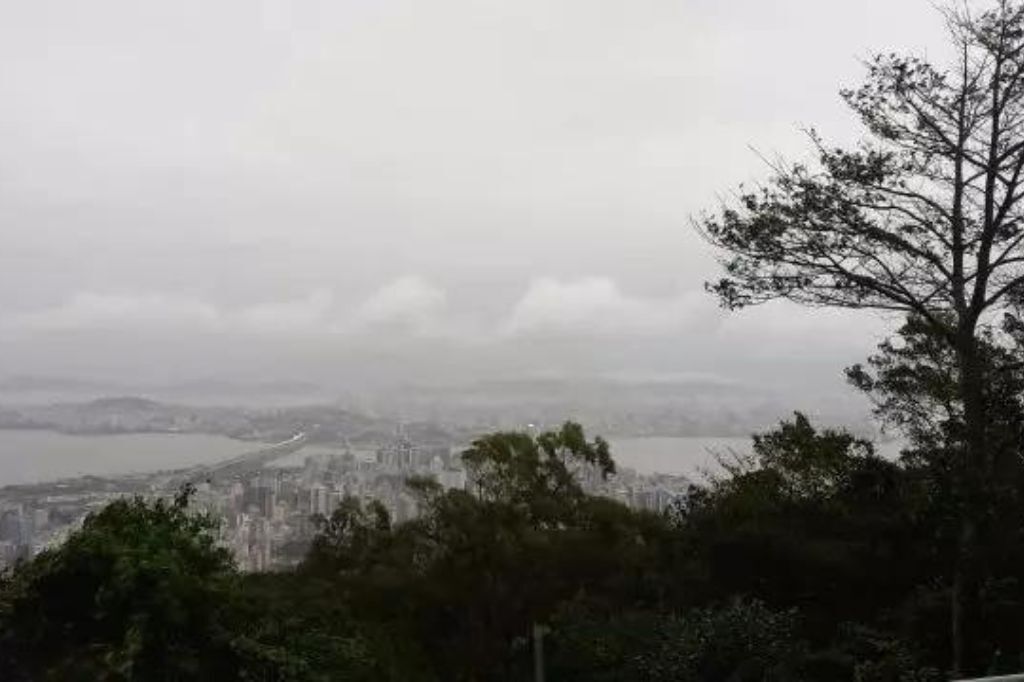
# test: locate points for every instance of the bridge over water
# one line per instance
(248, 461)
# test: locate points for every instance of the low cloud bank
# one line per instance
(412, 329)
(594, 306)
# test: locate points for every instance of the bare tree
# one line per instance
(923, 217)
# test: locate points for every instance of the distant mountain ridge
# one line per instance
(613, 406)
(130, 414)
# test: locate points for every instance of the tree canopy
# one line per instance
(923, 217)
(810, 559)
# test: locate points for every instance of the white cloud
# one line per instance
(312, 312)
(563, 323)
(779, 325)
(89, 310)
(410, 328)
(596, 305)
(408, 302)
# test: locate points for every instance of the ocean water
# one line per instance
(689, 456)
(40, 456)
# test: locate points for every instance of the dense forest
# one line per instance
(811, 559)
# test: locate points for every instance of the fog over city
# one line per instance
(365, 195)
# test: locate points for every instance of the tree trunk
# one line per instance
(964, 603)
(971, 473)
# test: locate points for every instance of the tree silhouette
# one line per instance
(924, 217)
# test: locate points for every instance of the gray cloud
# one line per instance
(593, 306)
(402, 189)
(597, 306)
(408, 301)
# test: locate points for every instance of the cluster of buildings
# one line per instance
(18, 526)
(267, 514)
(29, 526)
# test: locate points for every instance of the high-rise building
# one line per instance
(267, 501)
(318, 500)
(10, 524)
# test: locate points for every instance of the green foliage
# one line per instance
(813, 559)
(810, 464)
(814, 520)
(742, 641)
(537, 473)
(472, 573)
(914, 383)
(289, 628)
(138, 593)
(352, 534)
(921, 217)
(141, 592)
(812, 533)
(896, 222)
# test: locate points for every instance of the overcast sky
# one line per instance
(371, 190)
